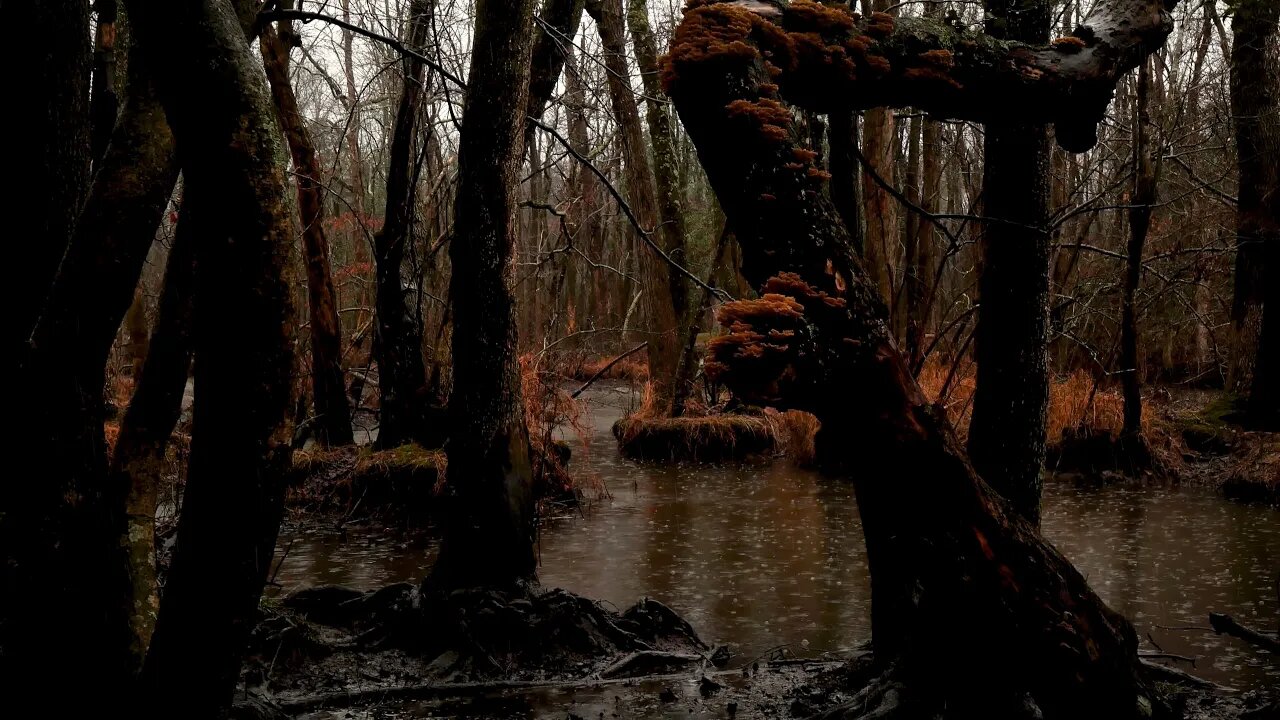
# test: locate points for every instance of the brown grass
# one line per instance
(709, 438)
(547, 407)
(633, 369)
(1076, 408)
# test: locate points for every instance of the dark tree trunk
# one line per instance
(50, 57)
(1255, 104)
(554, 38)
(234, 198)
(659, 296)
(1007, 429)
(333, 422)
(137, 463)
(976, 608)
(843, 164)
(66, 541)
(488, 533)
(106, 101)
(1146, 166)
(403, 414)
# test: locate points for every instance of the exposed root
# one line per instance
(324, 638)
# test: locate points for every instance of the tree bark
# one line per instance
(662, 139)
(137, 463)
(66, 539)
(51, 57)
(488, 533)
(1146, 165)
(976, 608)
(106, 101)
(659, 292)
(333, 425)
(1255, 106)
(234, 197)
(845, 171)
(1007, 428)
(402, 375)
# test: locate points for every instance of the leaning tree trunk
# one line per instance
(106, 100)
(402, 376)
(333, 412)
(659, 297)
(973, 609)
(1007, 429)
(67, 538)
(1146, 167)
(488, 532)
(1255, 106)
(234, 197)
(138, 459)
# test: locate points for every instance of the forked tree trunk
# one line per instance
(333, 423)
(488, 532)
(977, 611)
(66, 539)
(234, 197)
(659, 302)
(137, 463)
(402, 376)
(1007, 428)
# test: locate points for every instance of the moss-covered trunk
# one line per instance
(218, 104)
(138, 461)
(489, 524)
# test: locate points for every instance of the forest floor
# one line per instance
(335, 653)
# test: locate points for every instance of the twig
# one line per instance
(605, 369)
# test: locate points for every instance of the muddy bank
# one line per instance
(332, 652)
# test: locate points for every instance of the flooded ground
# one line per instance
(769, 557)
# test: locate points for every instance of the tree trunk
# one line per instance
(843, 141)
(137, 462)
(662, 138)
(106, 101)
(659, 295)
(1255, 104)
(402, 377)
(975, 607)
(234, 197)
(66, 539)
(880, 238)
(488, 533)
(1007, 429)
(333, 424)
(1146, 166)
(51, 58)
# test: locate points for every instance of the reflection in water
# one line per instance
(766, 556)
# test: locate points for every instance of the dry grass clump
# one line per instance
(633, 368)
(402, 481)
(796, 431)
(1082, 416)
(1255, 469)
(547, 409)
(709, 438)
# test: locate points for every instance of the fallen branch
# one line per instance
(1164, 673)
(1223, 623)
(600, 373)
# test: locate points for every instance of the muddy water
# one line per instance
(763, 557)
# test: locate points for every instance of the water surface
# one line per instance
(766, 557)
